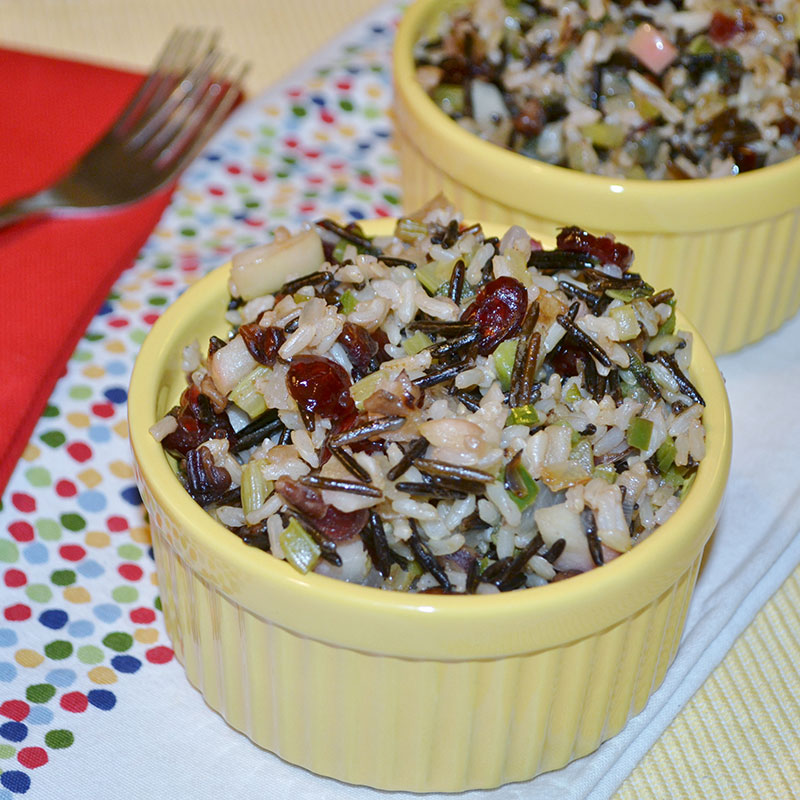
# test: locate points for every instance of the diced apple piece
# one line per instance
(652, 48)
(263, 269)
(558, 522)
(230, 364)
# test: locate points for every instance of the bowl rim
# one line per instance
(418, 625)
(553, 192)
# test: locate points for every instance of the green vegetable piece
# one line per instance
(665, 455)
(416, 343)
(532, 489)
(687, 484)
(605, 471)
(575, 436)
(246, 395)
(450, 98)
(410, 230)
(366, 387)
(573, 394)
(700, 45)
(255, 488)
(301, 551)
(523, 415)
(339, 250)
(639, 432)
(673, 477)
(504, 355)
(603, 134)
(348, 301)
(428, 275)
(668, 328)
(626, 295)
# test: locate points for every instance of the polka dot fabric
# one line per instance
(79, 607)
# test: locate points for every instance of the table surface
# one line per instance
(738, 736)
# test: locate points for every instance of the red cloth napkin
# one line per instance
(54, 274)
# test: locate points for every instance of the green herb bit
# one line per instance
(301, 551)
(348, 301)
(573, 394)
(640, 432)
(523, 415)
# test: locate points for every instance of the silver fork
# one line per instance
(180, 104)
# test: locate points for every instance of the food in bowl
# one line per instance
(438, 410)
(659, 90)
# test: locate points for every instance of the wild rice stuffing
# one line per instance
(643, 89)
(437, 410)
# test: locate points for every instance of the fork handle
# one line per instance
(40, 204)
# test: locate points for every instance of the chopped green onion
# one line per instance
(573, 394)
(531, 488)
(348, 301)
(626, 295)
(673, 477)
(668, 327)
(687, 484)
(665, 455)
(640, 432)
(523, 415)
(504, 355)
(301, 551)
(339, 250)
(246, 395)
(416, 343)
(605, 471)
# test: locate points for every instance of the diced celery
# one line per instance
(665, 455)
(414, 344)
(400, 580)
(575, 437)
(523, 415)
(673, 477)
(301, 551)
(299, 297)
(700, 45)
(246, 395)
(531, 489)
(430, 277)
(605, 471)
(628, 325)
(449, 97)
(573, 394)
(348, 301)
(668, 327)
(366, 387)
(410, 230)
(639, 433)
(604, 134)
(504, 355)
(255, 488)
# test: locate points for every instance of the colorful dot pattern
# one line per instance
(79, 611)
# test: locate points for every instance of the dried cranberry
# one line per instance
(531, 118)
(341, 525)
(197, 422)
(498, 310)
(723, 28)
(205, 481)
(262, 343)
(603, 247)
(566, 360)
(361, 349)
(303, 498)
(320, 386)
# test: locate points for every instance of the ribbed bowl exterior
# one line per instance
(405, 724)
(736, 284)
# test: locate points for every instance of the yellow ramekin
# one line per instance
(729, 247)
(406, 691)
